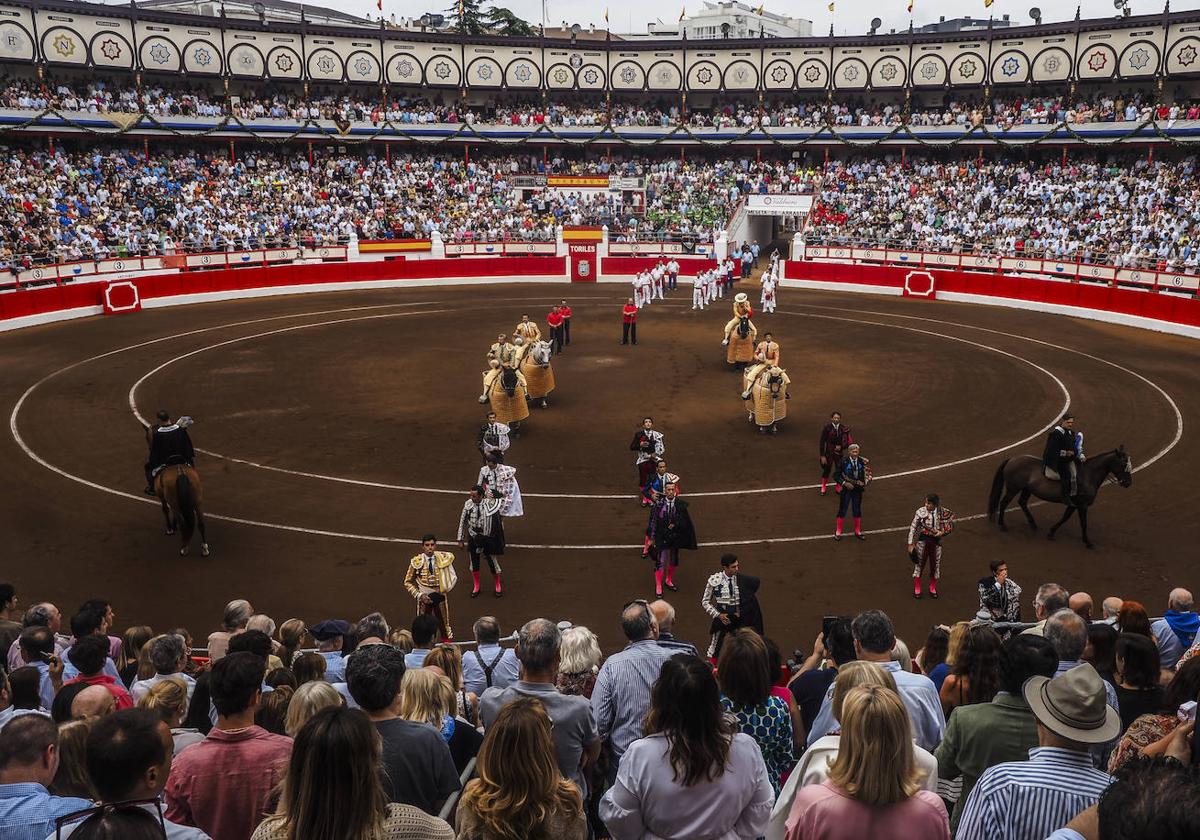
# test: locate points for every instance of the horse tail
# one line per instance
(187, 505)
(997, 488)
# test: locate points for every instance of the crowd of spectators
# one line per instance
(1075, 726)
(100, 96)
(1123, 211)
(61, 206)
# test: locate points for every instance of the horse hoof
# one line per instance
(1003, 527)
(205, 550)
(170, 532)
(183, 551)
(1050, 536)
(1033, 526)
(1090, 545)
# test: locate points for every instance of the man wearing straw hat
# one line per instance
(1029, 800)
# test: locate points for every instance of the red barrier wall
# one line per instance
(1108, 299)
(74, 295)
(688, 266)
(1162, 307)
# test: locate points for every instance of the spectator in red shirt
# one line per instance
(224, 784)
(629, 330)
(565, 311)
(555, 321)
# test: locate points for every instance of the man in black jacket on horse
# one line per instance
(1063, 455)
(169, 444)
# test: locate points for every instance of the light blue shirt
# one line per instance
(505, 672)
(1026, 800)
(415, 658)
(174, 831)
(335, 666)
(28, 811)
(46, 686)
(920, 696)
(621, 697)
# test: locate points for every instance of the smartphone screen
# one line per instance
(827, 624)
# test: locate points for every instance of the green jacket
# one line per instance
(983, 735)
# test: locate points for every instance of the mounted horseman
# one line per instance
(1063, 476)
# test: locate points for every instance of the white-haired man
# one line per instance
(1175, 632)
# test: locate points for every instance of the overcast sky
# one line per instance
(850, 17)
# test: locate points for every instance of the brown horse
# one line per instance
(182, 497)
(1024, 475)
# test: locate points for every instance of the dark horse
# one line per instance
(179, 490)
(743, 327)
(1024, 475)
(509, 381)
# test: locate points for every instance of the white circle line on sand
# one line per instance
(1170, 401)
(13, 429)
(380, 485)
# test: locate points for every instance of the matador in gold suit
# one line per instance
(429, 579)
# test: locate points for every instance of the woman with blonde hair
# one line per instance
(578, 662)
(169, 698)
(426, 696)
(958, 637)
(813, 767)
(333, 788)
(519, 792)
(874, 786)
(449, 659)
(293, 635)
(309, 699)
(71, 778)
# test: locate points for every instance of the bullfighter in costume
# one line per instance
(1064, 453)
(731, 600)
(533, 360)
(854, 475)
(493, 436)
(429, 577)
(740, 332)
(834, 439)
(931, 524)
(766, 355)
(527, 330)
(648, 444)
(499, 481)
(654, 491)
(504, 352)
(481, 533)
(510, 407)
(670, 531)
(169, 444)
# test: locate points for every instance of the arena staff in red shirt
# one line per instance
(565, 311)
(629, 330)
(555, 321)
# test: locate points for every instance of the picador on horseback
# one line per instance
(169, 444)
(1062, 476)
(1063, 455)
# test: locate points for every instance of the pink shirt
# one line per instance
(825, 812)
(223, 784)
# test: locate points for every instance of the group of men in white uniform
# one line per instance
(652, 283)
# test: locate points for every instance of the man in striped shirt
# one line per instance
(1028, 800)
(621, 697)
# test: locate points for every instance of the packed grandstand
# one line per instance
(1045, 715)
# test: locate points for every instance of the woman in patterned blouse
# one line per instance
(745, 681)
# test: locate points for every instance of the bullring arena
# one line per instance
(336, 428)
(725, 431)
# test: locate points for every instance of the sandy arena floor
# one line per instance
(338, 428)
